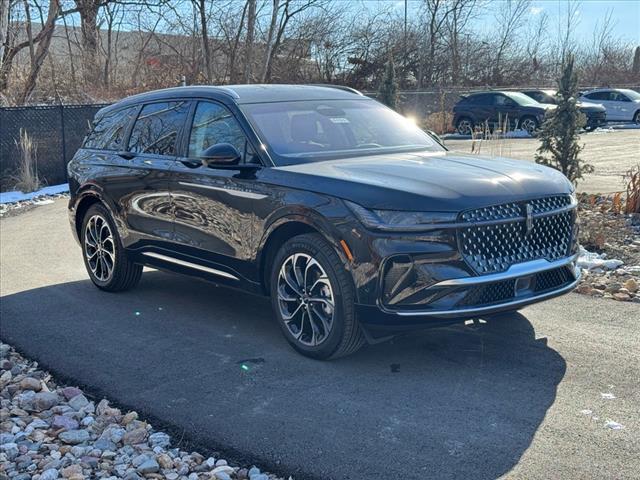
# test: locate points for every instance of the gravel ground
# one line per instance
(49, 431)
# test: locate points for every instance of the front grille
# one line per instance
(505, 290)
(551, 279)
(494, 248)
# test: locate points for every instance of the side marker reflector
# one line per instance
(346, 249)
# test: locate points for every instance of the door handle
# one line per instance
(191, 163)
(126, 155)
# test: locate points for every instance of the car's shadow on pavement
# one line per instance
(460, 402)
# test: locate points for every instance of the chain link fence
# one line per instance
(56, 130)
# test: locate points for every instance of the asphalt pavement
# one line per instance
(519, 396)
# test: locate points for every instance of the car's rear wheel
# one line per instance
(464, 126)
(313, 299)
(104, 257)
(636, 117)
(529, 125)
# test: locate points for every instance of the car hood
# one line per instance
(442, 181)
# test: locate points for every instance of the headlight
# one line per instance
(395, 220)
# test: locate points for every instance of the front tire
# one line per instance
(105, 259)
(636, 118)
(313, 299)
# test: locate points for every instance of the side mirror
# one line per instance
(221, 154)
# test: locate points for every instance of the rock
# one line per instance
(222, 476)
(134, 437)
(74, 437)
(621, 297)
(78, 402)
(221, 462)
(71, 470)
(164, 461)
(159, 439)
(585, 289)
(129, 417)
(30, 383)
(253, 471)
(150, 466)
(222, 468)
(613, 287)
(62, 421)
(70, 392)
(50, 474)
(631, 285)
(38, 423)
(44, 401)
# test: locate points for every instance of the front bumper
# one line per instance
(449, 296)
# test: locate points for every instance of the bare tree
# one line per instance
(248, 45)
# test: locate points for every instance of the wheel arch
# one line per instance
(285, 228)
(86, 198)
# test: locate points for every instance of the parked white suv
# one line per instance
(621, 104)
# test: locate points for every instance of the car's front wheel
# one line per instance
(104, 257)
(636, 117)
(313, 299)
(464, 126)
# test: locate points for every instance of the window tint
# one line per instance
(479, 100)
(108, 133)
(598, 96)
(618, 97)
(213, 124)
(157, 127)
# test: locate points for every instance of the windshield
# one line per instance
(522, 99)
(632, 94)
(308, 131)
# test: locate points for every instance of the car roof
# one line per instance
(244, 94)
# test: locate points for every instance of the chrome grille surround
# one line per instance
(505, 239)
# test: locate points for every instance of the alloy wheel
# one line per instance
(465, 127)
(305, 299)
(529, 125)
(99, 248)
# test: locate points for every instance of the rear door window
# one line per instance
(158, 128)
(598, 96)
(108, 133)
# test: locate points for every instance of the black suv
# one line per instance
(355, 222)
(595, 114)
(493, 109)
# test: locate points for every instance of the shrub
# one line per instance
(27, 177)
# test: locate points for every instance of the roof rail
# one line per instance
(339, 87)
(229, 91)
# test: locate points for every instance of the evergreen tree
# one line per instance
(560, 131)
(388, 91)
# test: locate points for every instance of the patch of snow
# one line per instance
(613, 425)
(592, 261)
(44, 201)
(13, 197)
(608, 396)
(517, 134)
(586, 412)
(624, 126)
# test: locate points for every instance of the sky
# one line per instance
(625, 15)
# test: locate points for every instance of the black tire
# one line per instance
(124, 274)
(529, 124)
(636, 117)
(464, 126)
(345, 335)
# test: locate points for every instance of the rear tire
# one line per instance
(464, 126)
(105, 258)
(636, 117)
(313, 299)
(530, 125)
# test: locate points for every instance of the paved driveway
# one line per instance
(504, 398)
(612, 155)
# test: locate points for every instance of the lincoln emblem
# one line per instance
(529, 222)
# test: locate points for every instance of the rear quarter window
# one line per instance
(109, 131)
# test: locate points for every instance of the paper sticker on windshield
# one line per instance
(339, 120)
